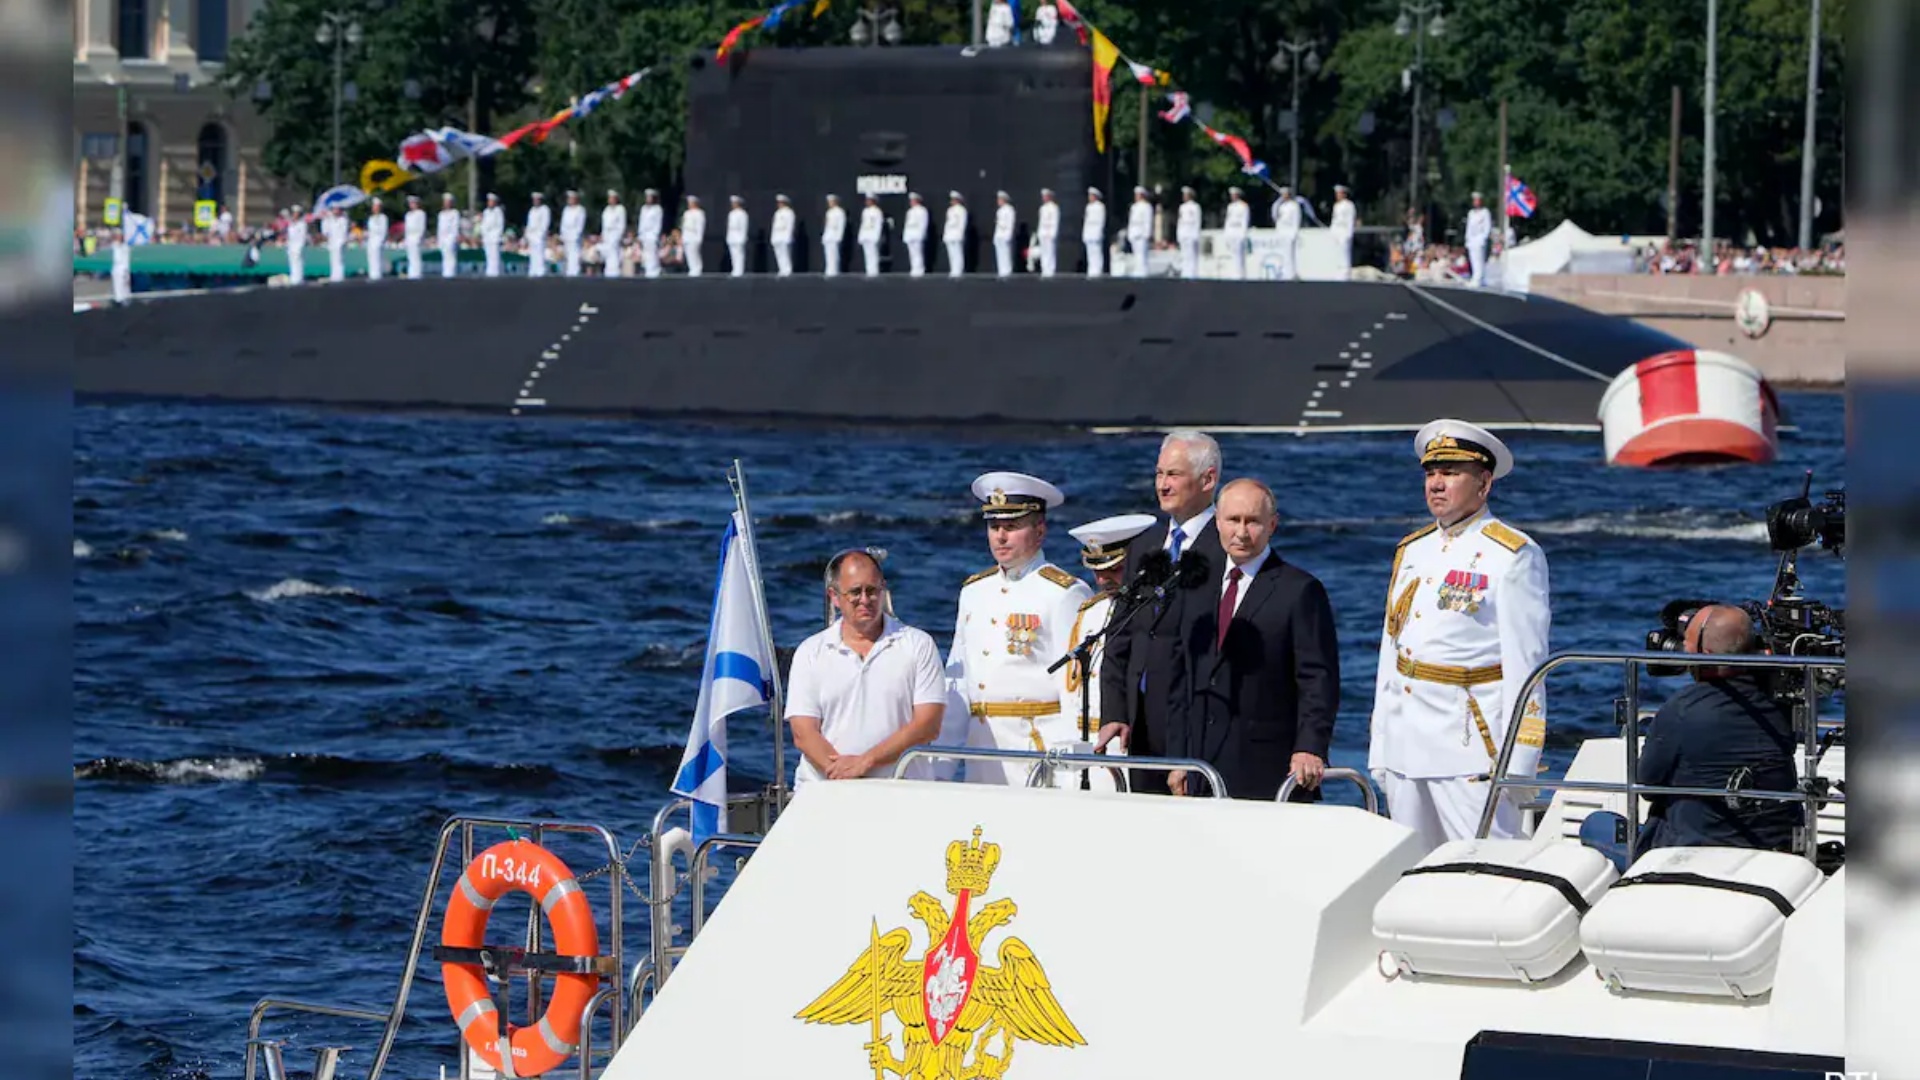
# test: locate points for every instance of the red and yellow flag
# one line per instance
(1105, 55)
(733, 36)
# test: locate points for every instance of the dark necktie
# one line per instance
(1226, 605)
(1179, 540)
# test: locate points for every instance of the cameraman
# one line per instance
(1728, 732)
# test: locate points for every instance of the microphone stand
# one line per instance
(1131, 601)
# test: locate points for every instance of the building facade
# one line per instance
(157, 63)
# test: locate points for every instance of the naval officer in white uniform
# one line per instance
(872, 225)
(1234, 232)
(833, 236)
(737, 237)
(447, 232)
(651, 222)
(415, 234)
(613, 236)
(539, 220)
(914, 235)
(1186, 232)
(1046, 235)
(1466, 622)
(1140, 231)
(953, 234)
(693, 233)
(573, 227)
(1479, 237)
(376, 242)
(1103, 550)
(1345, 221)
(1012, 625)
(1003, 223)
(1093, 233)
(780, 236)
(493, 230)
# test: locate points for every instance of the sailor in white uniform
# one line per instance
(1012, 624)
(1345, 221)
(573, 230)
(1003, 223)
(1479, 236)
(914, 235)
(780, 237)
(1234, 232)
(1286, 227)
(1046, 234)
(376, 242)
(447, 233)
(1466, 622)
(1046, 24)
(1093, 233)
(1140, 231)
(693, 233)
(833, 234)
(296, 245)
(337, 230)
(647, 229)
(413, 235)
(539, 221)
(122, 268)
(872, 223)
(953, 234)
(1103, 550)
(737, 236)
(493, 230)
(613, 235)
(1186, 232)
(999, 25)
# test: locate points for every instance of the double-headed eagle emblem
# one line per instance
(951, 1009)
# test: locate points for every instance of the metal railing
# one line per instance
(1050, 759)
(1353, 776)
(1627, 715)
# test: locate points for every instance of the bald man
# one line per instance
(1724, 732)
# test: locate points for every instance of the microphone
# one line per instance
(1195, 570)
(1156, 569)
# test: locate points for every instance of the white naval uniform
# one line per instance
(447, 231)
(832, 235)
(122, 272)
(872, 221)
(648, 230)
(297, 250)
(376, 246)
(1239, 216)
(1139, 232)
(1093, 236)
(1091, 619)
(914, 234)
(1046, 236)
(999, 26)
(1342, 226)
(613, 234)
(954, 235)
(336, 229)
(1475, 601)
(414, 235)
(1479, 234)
(1186, 231)
(737, 241)
(693, 233)
(573, 226)
(493, 229)
(1286, 226)
(1010, 628)
(781, 237)
(1003, 219)
(539, 220)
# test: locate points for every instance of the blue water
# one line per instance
(306, 637)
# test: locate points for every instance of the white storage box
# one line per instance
(1698, 937)
(1491, 909)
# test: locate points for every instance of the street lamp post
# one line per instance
(876, 26)
(1806, 146)
(1413, 19)
(1287, 57)
(1711, 106)
(340, 30)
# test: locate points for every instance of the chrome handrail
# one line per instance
(1040, 758)
(697, 870)
(1629, 707)
(1336, 773)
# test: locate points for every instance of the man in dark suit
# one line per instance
(1258, 676)
(1138, 664)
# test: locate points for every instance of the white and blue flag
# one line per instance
(738, 674)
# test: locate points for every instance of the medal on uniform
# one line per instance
(1022, 632)
(1462, 591)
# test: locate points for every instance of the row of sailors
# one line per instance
(336, 230)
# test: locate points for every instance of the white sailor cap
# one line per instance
(1046, 192)
(913, 195)
(1477, 195)
(413, 198)
(1003, 195)
(1235, 191)
(1456, 440)
(1138, 190)
(612, 194)
(956, 195)
(1093, 193)
(1185, 190)
(1341, 189)
(833, 198)
(491, 197)
(652, 193)
(781, 198)
(445, 196)
(735, 199)
(572, 194)
(693, 198)
(1005, 496)
(536, 196)
(1103, 543)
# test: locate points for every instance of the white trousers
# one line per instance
(492, 248)
(1477, 255)
(1342, 255)
(1237, 252)
(1019, 733)
(449, 259)
(1289, 256)
(571, 244)
(336, 263)
(1446, 809)
(296, 264)
(376, 262)
(650, 255)
(916, 258)
(956, 259)
(830, 258)
(1003, 257)
(737, 256)
(610, 259)
(1140, 256)
(870, 257)
(537, 256)
(695, 264)
(783, 257)
(122, 286)
(1096, 257)
(1049, 257)
(1190, 259)
(413, 260)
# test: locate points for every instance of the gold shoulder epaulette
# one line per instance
(1505, 537)
(1059, 577)
(1096, 598)
(981, 576)
(1416, 534)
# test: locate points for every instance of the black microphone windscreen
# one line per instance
(1155, 566)
(1195, 569)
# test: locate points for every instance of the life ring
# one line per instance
(519, 866)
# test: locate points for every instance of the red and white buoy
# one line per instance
(1689, 407)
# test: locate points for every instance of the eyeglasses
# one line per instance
(859, 592)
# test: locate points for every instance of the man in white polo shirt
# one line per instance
(865, 689)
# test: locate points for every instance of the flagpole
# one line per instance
(737, 479)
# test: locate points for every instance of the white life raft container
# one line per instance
(1689, 407)
(1697, 920)
(1491, 909)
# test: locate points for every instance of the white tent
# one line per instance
(1567, 249)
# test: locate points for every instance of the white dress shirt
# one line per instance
(1247, 570)
(1189, 529)
(862, 701)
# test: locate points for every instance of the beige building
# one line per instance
(186, 139)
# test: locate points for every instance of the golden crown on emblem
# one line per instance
(1443, 442)
(998, 498)
(970, 866)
